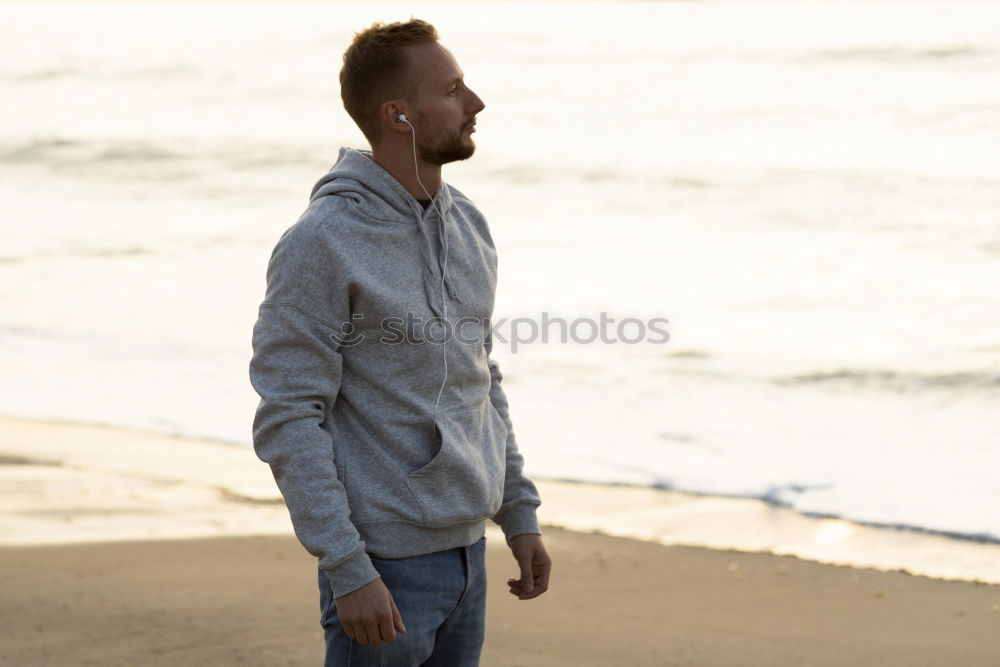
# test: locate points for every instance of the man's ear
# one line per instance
(390, 113)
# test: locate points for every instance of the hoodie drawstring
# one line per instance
(430, 275)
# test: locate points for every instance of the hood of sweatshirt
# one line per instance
(356, 177)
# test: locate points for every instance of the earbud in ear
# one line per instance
(402, 117)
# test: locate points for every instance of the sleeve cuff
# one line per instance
(521, 519)
(351, 574)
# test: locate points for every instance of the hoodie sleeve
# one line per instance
(517, 514)
(296, 369)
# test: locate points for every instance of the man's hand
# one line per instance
(529, 552)
(369, 614)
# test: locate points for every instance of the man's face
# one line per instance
(446, 107)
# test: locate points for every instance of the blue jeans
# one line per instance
(441, 597)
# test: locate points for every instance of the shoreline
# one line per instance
(130, 549)
(68, 483)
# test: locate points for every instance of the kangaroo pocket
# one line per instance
(464, 481)
(377, 493)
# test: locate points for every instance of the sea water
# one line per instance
(807, 192)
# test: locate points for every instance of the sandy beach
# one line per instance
(612, 601)
(122, 548)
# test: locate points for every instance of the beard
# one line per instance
(446, 148)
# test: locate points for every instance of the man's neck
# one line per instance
(400, 167)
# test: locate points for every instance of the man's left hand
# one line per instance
(529, 552)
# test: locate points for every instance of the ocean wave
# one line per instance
(44, 73)
(105, 252)
(63, 150)
(103, 72)
(772, 497)
(896, 380)
(90, 152)
(900, 55)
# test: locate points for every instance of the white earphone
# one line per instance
(441, 230)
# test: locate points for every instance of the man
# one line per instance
(382, 415)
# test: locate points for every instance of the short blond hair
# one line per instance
(376, 68)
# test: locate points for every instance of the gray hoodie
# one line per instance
(376, 445)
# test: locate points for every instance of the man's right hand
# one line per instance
(369, 615)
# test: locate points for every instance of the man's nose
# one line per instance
(478, 104)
